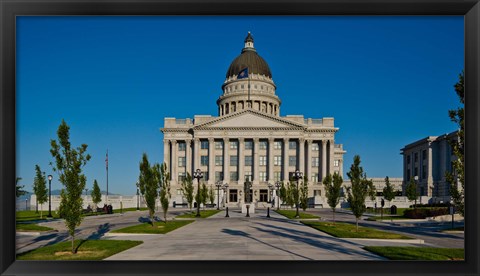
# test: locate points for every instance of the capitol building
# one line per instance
(249, 139)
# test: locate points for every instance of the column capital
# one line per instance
(211, 139)
(286, 139)
(241, 139)
(196, 139)
(301, 140)
(256, 139)
(173, 142)
(309, 141)
(271, 139)
(226, 139)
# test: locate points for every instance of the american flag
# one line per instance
(243, 74)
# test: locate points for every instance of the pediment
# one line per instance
(250, 119)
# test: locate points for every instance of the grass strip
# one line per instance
(347, 230)
(25, 216)
(203, 214)
(31, 227)
(157, 228)
(291, 214)
(87, 250)
(418, 253)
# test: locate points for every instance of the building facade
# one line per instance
(427, 160)
(249, 140)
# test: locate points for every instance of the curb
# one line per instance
(129, 234)
(413, 241)
(35, 233)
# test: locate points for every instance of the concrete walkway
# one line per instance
(241, 238)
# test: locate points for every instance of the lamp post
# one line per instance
(138, 194)
(49, 195)
(218, 184)
(198, 174)
(277, 185)
(270, 193)
(247, 186)
(26, 204)
(298, 175)
(226, 192)
(416, 189)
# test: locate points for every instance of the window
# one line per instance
(182, 161)
(233, 176)
(233, 195)
(248, 145)
(315, 161)
(292, 160)
(181, 177)
(263, 145)
(204, 160)
(219, 145)
(218, 160)
(242, 86)
(408, 159)
(233, 144)
(204, 144)
(255, 86)
(262, 176)
(424, 171)
(248, 176)
(233, 160)
(263, 196)
(315, 147)
(248, 160)
(314, 177)
(182, 146)
(416, 156)
(277, 176)
(277, 160)
(408, 175)
(415, 171)
(292, 145)
(263, 160)
(218, 176)
(317, 192)
(424, 154)
(277, 145)
(336, 163)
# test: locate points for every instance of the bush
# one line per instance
(421, 213)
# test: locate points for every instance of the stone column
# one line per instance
(188, 155)
(331, 157)
(324, 159)
(211, 160)
(174, 162)
(256, 160)
(285, 159)
(308, 170)
(301, 149)
(226, 159)
(241, 160)
(196, 154)
(166, 154)
(429, 170)
(271, 142)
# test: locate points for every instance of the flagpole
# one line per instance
(106, 160)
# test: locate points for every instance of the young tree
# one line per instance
(360, 189)
(69, 163)
(211, 195)
(164, 190)
(96, 194)
(388, 192)
(304, 193)
(457, 145)
(292, 195)
(204, 194)
(282, 194)
(333, 186)
(411, 191)
(149, 184)
(40, 188)
(187, 189)
(19, 189)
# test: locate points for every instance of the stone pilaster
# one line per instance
(271, 142)
(285, 160)
(211, 160)
(256, 159)
(226, 159)
(166, 154)
(174, 162)
(308, 170)
(241, 160)
(196, 154)
(331, 157)
(188, 155)
(429, 170)
(301, 153)
(324, 160)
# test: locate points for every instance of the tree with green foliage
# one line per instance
(360, 189)
(40, 188)
(187, 189)
(69, 163)
(457, 176)
(388, 192)
(148, 182)
(164, 190)
(292, 195)
(204, 195)
(333, 187)
(304, 194)
(411, 191)
(96, 194)
(19, 189)
(282, 194)
(211, 195)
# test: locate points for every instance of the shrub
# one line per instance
(421, 213)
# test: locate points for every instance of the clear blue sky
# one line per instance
(387, 81)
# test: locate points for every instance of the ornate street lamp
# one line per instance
(277, 185)
(298, 175)
(198, 174)
(225, 188)
(218, 184)
(416, 189)
(247, 186)
(50, 177)
(270, 193)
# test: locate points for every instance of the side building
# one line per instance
(249, 140)
(426, 161)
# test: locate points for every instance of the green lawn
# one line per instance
(157, 228)
(88, 250)
(347, 230)
(418, 253)
(386, 218)
(291, 214)
(203, 214)
(462, 228)
(31, 227)
(31, 215)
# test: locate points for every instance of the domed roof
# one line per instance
(249, 59)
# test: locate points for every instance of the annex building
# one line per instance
(249, 139)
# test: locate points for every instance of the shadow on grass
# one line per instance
(101, 230)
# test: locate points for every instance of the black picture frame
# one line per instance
(9, 9)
